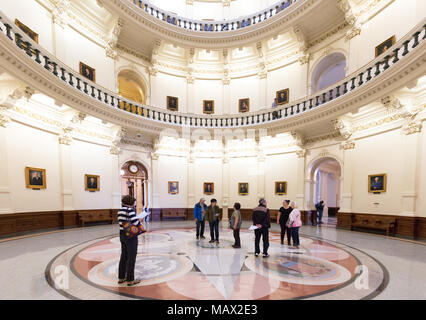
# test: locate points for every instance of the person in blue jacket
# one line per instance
(200, 217)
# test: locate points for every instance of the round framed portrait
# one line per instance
(133, 168)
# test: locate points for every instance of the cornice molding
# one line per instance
(16, 62)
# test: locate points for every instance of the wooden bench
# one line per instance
(173, 213)
(95, 216)
(374, 222)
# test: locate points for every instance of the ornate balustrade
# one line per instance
(215, 26)
(154, 115)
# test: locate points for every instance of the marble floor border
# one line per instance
(341, 246)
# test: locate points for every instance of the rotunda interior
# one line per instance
(318, 102)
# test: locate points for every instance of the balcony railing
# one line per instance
(157, 115)
(215, 26)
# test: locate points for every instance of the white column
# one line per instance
(116, 179)
(190, 98)
(5, 197)
(300, 195)
(156, 182)
(262, 90)
(309, 187)
(145, 194)
(347, 174)
(324, 191)
(226, 96)
(225, 188)
(65, 167)
(260, 177)
(190, 9)
(59, 39)
(304, 79)
(226, 9)
(411, 170)
(191, 180)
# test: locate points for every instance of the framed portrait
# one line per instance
(244, 105)
(385, 45)
(35, 178)
(27, 30)
(281, 187)
(173, 187)
(172, 103)
(283, 96)
(208, 188)
(208, 106)
(377, 183)
(243, 188)
(87, 72)
(92, 182)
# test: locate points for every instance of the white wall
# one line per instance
(397, 19)
(28, 147)
(375, 155)
(34, 16)
(31, 147)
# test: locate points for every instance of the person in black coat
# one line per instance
(320, 209)
(262, 220)
(282, 218)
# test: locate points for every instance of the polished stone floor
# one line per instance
(330, 264)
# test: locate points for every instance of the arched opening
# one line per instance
(328, 71)
(131, 86)
(325, 174)
(134, 182)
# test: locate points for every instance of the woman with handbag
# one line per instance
(130, 228)
(295, 222)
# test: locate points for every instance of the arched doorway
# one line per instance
(134, 182)
(325, 174)
(328, 71)
(131, 86)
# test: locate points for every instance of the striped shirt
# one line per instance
(125, 214)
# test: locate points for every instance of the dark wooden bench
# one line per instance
(374, 222)
(95, 216)
(173, 213)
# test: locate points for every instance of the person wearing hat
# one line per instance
(214, 216)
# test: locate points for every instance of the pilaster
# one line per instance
(65, 165)
(348, 148)
(5, 197)
(301, 163)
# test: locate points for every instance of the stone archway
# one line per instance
(134, 182)
(325, 179)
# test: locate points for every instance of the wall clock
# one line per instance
(133, 168)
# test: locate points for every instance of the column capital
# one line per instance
(301, 153)
(60, 12)
(412, 126)
(65, 139)
(348, 145)
(114, 150)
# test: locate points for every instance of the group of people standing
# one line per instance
(289, 218)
